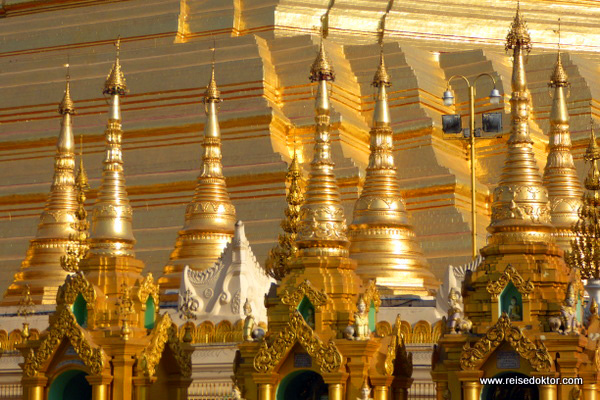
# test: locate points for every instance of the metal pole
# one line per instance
(473, 187)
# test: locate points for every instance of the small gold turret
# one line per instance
(277, 264)
(112, 231)
(322, 222)
(560, 175)
(586, 243)
(210, 216)
(520, 209)
(41, 269)
(382, 239)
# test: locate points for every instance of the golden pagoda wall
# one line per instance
(261, 71)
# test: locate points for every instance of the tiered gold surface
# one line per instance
(560, 175)
(210, 216)
(382, 240)
(41, 269)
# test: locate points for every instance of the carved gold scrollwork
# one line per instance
(509, 274)
(148, 288)
(472, 358)
(164, 333)
(73, 286)
(305, 289)
(327, 356)
(371, 294)
(397, 358)
(63, 324)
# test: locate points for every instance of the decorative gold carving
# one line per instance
(585, 246)
(371, 294)
(473, 357)
(73, 286)
(305, 289)
(324, 222)
(509, 274)
(277, 264)
(164, 332)
(63, 324)
(148, 289)
(268, 357)
(397, 358)
(125, 309)
(26, 303)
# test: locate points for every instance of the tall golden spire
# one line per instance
(277, 264)
(560, 175)
(41, 269)
(112, 231)
(585, 246)
(382, 239)
(210, 217)
(322, 222)
(520, 209)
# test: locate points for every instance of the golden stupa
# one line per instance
(560, 175)
(106, 339)
(522, 315)
(382, 241)
(41, 270)
(210, 216)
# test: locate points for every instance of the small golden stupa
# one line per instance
(560, 175)
(522, 315)
(382, 240)
(210, 216)
(106, 339)
(41, 270)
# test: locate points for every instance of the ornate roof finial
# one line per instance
(277, 264)
(112, 218)
(559, 76)
(66, 105)
(210, 216)
(520, 209)
(321, 69)
(115, 81)
(212, 94)
(381, 78)
(380, 234)
(518, 34)
(322, 222)
(560, 175)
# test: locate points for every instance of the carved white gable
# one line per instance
(218, 293)
(453, 279)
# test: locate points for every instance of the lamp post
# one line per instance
(448, 99)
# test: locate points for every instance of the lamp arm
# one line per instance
(458, 76)
(485, 74)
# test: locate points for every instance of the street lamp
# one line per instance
(492, 122)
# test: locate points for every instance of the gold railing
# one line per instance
(11, 391)
(210, 391)
(422, 391)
